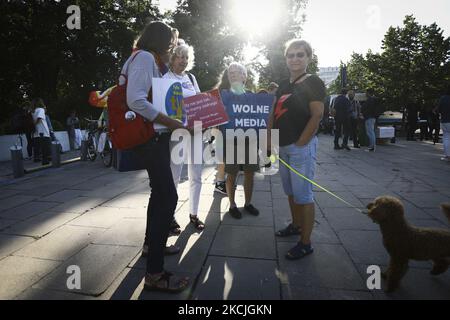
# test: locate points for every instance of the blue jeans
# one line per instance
(303, 159)
(370, 131)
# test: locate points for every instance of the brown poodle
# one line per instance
(404, 242)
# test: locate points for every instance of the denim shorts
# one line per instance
(303, 159)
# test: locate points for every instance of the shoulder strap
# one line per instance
(191, 77)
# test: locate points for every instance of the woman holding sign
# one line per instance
(182, 60)
(297, 114)
(235, 86)
(147, 62)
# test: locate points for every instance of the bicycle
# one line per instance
(105, 147)
(98, 142)
(89, 136)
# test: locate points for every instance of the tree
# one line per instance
(412, 68)
(203, 24)
(44, 58)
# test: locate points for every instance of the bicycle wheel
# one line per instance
(91, 150)
(107, 155)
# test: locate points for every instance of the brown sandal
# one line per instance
(198, 224)
(166, 282)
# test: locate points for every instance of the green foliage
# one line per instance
(45, 59)
(412, 68)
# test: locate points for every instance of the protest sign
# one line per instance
(207, 108)
(247, 111)
(168, 99)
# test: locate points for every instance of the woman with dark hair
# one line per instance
(298, 111)
(148, 61)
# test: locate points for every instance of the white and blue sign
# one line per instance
(247, 111)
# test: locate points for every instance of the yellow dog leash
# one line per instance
(274, 158)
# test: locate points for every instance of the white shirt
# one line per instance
(140, 74)
(41, 125)
(189, 89)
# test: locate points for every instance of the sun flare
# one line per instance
(256, 17)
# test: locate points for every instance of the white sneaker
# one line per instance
(445, 159)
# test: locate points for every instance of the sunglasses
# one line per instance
(300, 55)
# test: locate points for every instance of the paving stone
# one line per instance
(104, 192)
(62, 196)
(19, 273)
(238, 279)
(40, 225)
(143, 188)
(194, 250)
(100, 217)
(39, 294)
(8, 193)
(436, 214)
(417, 284)
(329, 267)
(322, 232)
(126, 232)
(245, 242)
(28, 210)
(129, 285)
(426, 199)
(331, 185)
(128, 200)
(314, 293)
(265, 218)
(44, 190)
(324, 200)
(100, 265)
(5, 223)
(79, 205)
(15, 201)
(10, 244)
(60, 244)
(371, 192)
(366, 247)
(348, 219)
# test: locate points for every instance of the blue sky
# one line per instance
(335, 29)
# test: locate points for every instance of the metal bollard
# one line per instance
(56, 155)
(17, 161)
(83, 150)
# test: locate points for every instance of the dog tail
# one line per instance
(446, 209)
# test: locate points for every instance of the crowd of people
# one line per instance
(297, 113)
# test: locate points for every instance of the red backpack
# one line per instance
(126, 134)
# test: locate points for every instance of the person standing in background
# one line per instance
(355, 108)
(41, 134)
(444, 109)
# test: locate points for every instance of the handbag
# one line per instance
(126, 134)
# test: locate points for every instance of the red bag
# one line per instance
(126, 134)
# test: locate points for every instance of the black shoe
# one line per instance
(252, 210)
(337, 148)
(357, 147)
(235, 213)
(221, 188)
(175, 228)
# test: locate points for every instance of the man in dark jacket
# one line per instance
(342, 110)
(370, 111)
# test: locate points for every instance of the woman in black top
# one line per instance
(297, 113)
